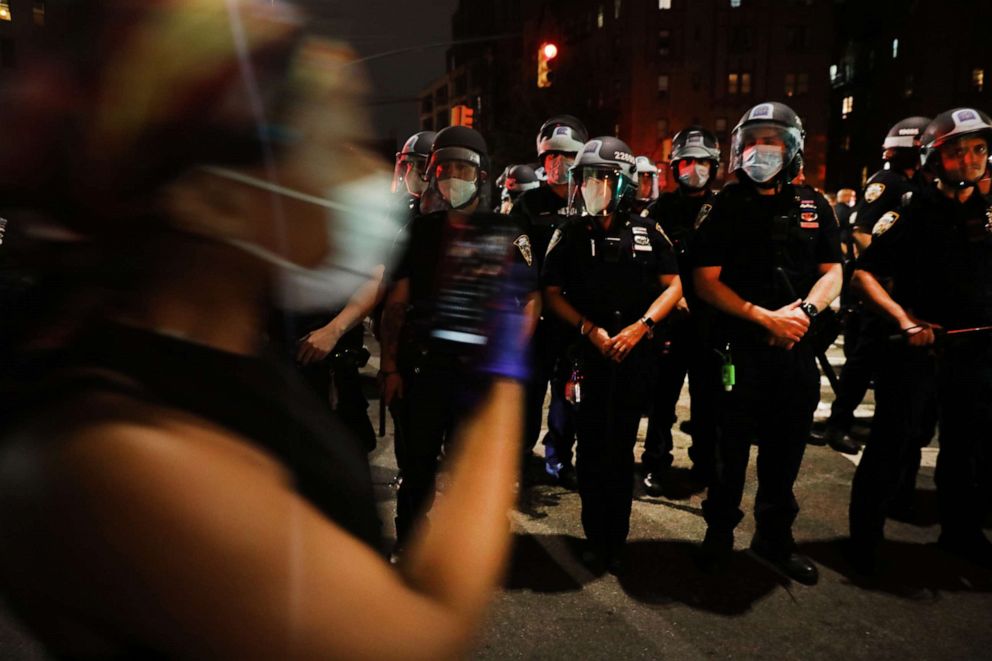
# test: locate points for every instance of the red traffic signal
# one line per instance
(550, 51)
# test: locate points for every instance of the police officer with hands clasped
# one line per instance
(694, 158)
(938, 255)
(767, 256)
(611, 276)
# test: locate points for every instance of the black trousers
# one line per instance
(859, 368)
(687, 355)
(964, 465)
(905, 389)
(772, 403)
(438, 394)
(606, 421)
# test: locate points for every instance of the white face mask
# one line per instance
(762, 162)
(597, 195)
(415, 185)
(361, 223)
(457, 192)
(557, 169)
(695, 177)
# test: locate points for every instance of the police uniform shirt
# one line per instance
(939, 256)
(605, 272)
(539, 210)
(881, 199)
(677, 213)
(750, 235)
(423, 255)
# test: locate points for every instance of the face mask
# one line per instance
(361, 225)
(762, 162)
(415, 185)
(597, 196)
(557, 169)
(457, 192)
(695, 177)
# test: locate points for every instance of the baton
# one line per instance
(828, 369)
(940, 332)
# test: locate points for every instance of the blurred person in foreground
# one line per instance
(165, 490)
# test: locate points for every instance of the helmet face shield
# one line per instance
(557, 165)
(595, 191)
(763, 149)
(647, 186)
(965, 159)
(410, 174)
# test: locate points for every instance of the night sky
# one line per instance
(377, 26)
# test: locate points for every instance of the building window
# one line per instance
(732, 83)
(663, 84)
(664, 42)
(4, 10)
(39, 13)
(834, 73)
(599, 17)
(664, 4)
(720, 125)
(426, 105)
(734, 4)
(790, 84)
(846, 144)
(847, 106)
(978, 79)
(895, 48)
(617, 5)
(745, 83)
(662, 128)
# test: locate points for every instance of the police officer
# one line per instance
(938, 253)
(881, 201)
(409, 175)
(515, 180)
(647, 184)
(694, 158)
(767, 256)
(611, 277)
(542, 210)
(428, 390)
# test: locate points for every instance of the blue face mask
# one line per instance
(761, 163)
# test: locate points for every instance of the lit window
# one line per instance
(731, 83)
(664, 4)
(978, 79)
(745, 83)
(663, 84)
(833, 73)
(616, 8)
(790, 84)
(847, 106)
(734, 4)
(895, 48)
(846, 144)
(4, 10)
(599, 17)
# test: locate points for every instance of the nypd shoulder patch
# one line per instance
(555, 240)
(884, 223)
(704, 213)
(873, 192)
(522, 243)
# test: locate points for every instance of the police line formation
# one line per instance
(632, 290)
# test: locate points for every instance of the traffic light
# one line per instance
(462, 115)
(545, 54)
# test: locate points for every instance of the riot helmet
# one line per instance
(767, 144)
(457, 169)
(950, 128)
(558, 141)
(647, 179)
(411, 163)
(602, 178)
(695, 157)
(901, 147)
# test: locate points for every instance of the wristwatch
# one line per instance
(809, 309)
(649, 322)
